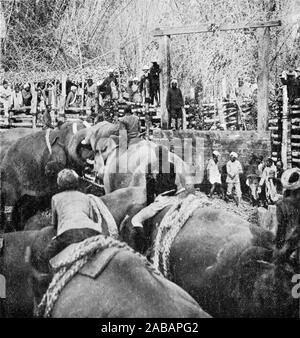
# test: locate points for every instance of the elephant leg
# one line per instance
(22, 211)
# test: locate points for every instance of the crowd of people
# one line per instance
(266, 174)
(145, 90)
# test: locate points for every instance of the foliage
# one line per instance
(61, 35)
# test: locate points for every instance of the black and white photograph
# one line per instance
(149, 162)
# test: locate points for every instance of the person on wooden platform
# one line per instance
(27, 97)
(109, 87)
(71, 98)
(174, 103)
(154, 80)
(6, 99)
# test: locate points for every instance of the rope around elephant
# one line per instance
(174, 221)
(68, 268)
(101, 210)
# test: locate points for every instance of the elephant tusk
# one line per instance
(48, 141)
(74, 127)
(91, 162)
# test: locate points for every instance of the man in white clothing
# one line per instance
(234, 169)
(5, 98)
(213, 174)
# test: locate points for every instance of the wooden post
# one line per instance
(284, 144)
(164, 78)
(33, 104)
(82, 98)
(263, 81)
(63, 96)
(184, 123)
(220, 107)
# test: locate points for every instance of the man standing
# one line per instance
(106, 87)
(234, 169)
(154, 80)
(5, 99)
(213, 174)
(17, 98)
(71, 99)
(174, 103)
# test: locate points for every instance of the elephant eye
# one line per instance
(104, 149)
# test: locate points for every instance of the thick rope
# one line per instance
(170, 226)
(68, 268)
(101, 209)
(173, 222)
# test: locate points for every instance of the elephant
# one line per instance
(18, 302)
(122, 287)
(31, 164)
(226, 265)
(121, 166)
(131, 290)
(8, 137)
(220, 259)
(19, 298)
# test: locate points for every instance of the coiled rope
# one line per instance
(170, 226)
(68, 268)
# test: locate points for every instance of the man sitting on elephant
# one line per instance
(72, 215)
(161, 191)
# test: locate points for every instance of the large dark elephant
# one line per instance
(30, 166)
(121, 166)
(8, 137)
(116, 283)
(19, 296)
(225, 267)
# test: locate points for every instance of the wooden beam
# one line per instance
(263, 92)
(164, 78)
(62, 100)
(33, 104)
(206, 28)
(284, 145)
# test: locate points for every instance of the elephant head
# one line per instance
(103, 139)
(66, 149)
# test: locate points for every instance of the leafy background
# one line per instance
(82, 37)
